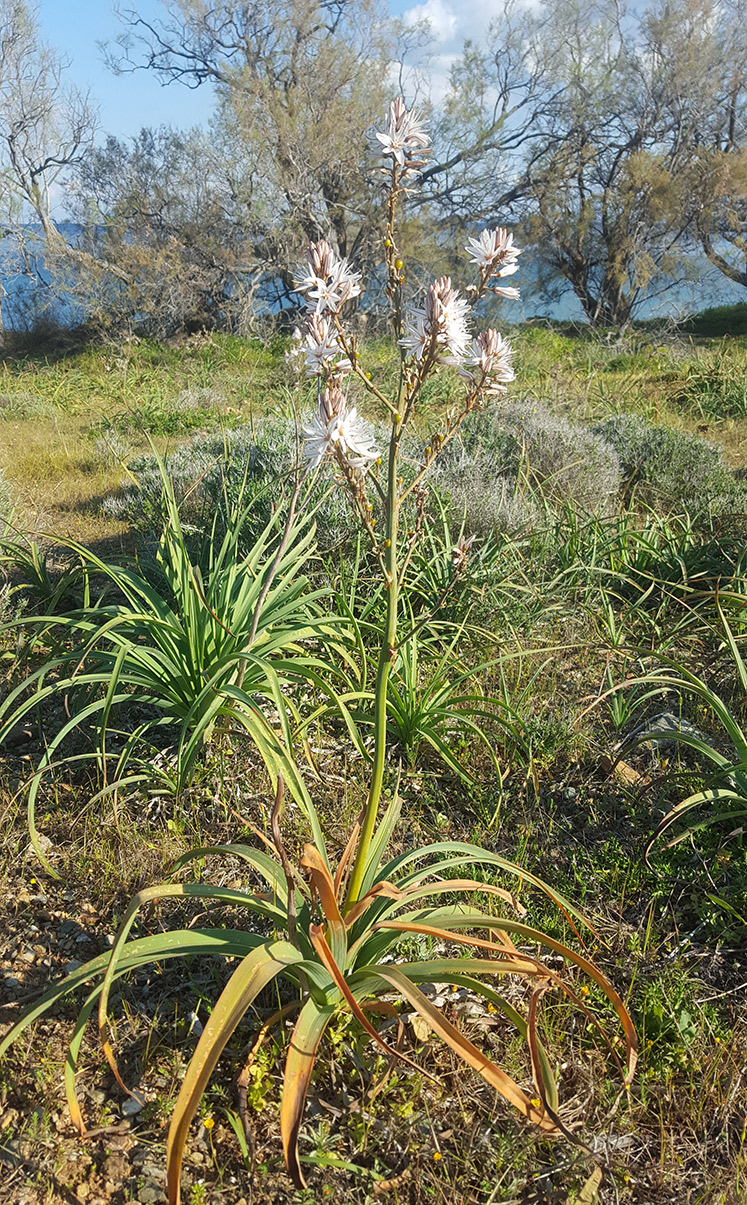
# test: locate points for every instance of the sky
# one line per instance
(127, 102)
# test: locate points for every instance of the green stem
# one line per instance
(386, 658)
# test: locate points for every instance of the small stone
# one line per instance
(72, 966)
(195, 1024)
(81, 938)
(133, 1105)
(151, 1193)
(97, 1097)
(45, 845)
(82, 1192)
(28, 955)
(570, 793)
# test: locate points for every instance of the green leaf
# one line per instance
(254, 972)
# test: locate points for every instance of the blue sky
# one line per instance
(128, 102)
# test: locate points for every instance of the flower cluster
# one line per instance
(337, 429)
(495, 255)
(329, 281)
(440, 326)
(404, 140)
(488, 366)
(323, 348)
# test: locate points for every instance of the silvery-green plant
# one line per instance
(526, 444)
(670, 467)
(338, 930)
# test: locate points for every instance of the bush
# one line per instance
(207, 475)
(672, 466)
(564, 461)
(718, 320)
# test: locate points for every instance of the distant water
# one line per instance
(29, 299)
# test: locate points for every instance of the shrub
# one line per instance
(209, 473)
(565, 461)
(672, 466)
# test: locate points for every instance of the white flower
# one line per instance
(322, 347)
(489, 364)
(442, 321)
(507, 291)
(335, 428)
(329, 281)
(417, 333)
(494, 252)
(404, 135)
(453, 312)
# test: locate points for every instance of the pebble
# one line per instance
(133, 1105)
(72, 966)
(150, 1193)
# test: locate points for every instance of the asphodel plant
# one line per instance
(337, 929)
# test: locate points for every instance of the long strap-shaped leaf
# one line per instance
(299, 1064)
(412, 924)
(317, 869)
(490, 1071)
(316, 933)
(224, 895)
(252, 974)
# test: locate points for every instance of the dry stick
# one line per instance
(287, 868)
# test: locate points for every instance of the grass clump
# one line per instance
(6, 505)
(710, 387)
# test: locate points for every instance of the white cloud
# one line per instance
(451, 23)
(442, 20)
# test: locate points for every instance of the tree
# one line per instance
(705, 44)
(167, 208)
(46, 126)
(297, 82)
(603, 206)
(598, 162)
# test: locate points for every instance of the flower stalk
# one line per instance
(428, 337)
